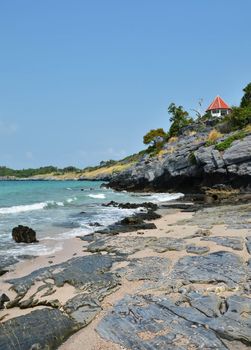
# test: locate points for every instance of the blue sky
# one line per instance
(83, 80)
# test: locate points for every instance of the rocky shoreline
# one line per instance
(186, 273)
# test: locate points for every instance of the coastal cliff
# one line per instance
(189, 163)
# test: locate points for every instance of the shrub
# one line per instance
(239, 117)
(222, 146)
(153, 136)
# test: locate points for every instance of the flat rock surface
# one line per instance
(51, 327)
(148, 268)
(189, 280)
(211, 268)
(130, 245)
(235, 243)
(150, 323)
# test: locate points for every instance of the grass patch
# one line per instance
(107, 170)
(222, 146)
(213, 136)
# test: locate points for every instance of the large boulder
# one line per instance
(24, 234)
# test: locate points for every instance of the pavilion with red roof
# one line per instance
(218, 108)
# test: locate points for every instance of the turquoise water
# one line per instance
(58, 210)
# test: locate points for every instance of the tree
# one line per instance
(240, 117)
(179, 118)
(246, 99)
(154, 136)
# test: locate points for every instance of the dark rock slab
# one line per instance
(46, 328)
(126, 226)
(235, 243)
(130, 245)
(120, 245)
(148, 268)
(3, 299)
(248, 244)
(146, 205)
(82, 308)
(24, 234)
(148, 323)
(211, 268)
(90, 273)
(210, 305)
(192, 248)
(164, 244)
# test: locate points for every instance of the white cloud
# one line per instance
(8, 128)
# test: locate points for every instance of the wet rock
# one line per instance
(95, 224)
(235, 243)
(211, 268)
(147, 205)
(127, 225)
(5, 262)
(148, 268)
(46, 328)
(24, 234)
(197, 249)
(3, 299)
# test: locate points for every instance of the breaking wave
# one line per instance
(36, 206)
(98, 196)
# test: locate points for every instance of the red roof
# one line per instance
(218, 103)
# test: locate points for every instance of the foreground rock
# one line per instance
(149, 323)
(24, 234)
(183, 296)
(41, 329)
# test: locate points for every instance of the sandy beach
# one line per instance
(174, 225)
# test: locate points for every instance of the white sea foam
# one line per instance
(36, 206)
(36, 249)
(98, 196)
(164, 197)
(23, 208)
(69, 200)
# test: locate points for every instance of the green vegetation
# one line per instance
(246, 99)
(4, 171)
(222, 146)
(153, 137)
(179, 118)
(239, 117)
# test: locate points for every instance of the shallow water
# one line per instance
(58, 210)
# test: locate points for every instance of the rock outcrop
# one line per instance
(24, 234)
(187, 165)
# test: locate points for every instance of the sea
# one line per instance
(59, 210)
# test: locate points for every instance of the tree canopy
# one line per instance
(153, 136)
(246, 99)
(179, 118)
